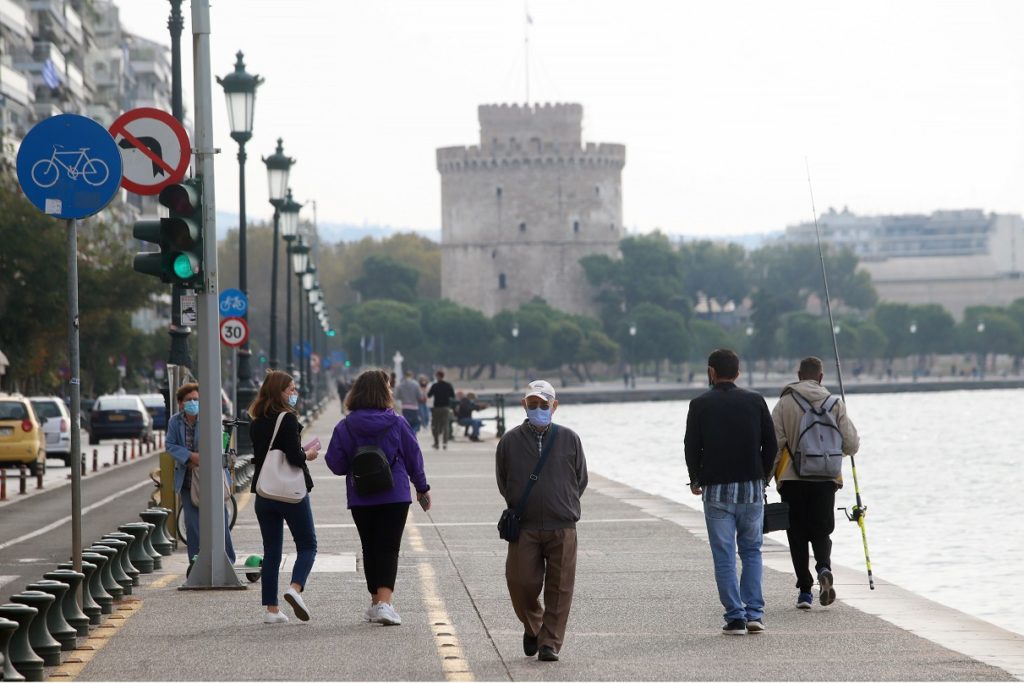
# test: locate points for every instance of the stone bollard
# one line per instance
(72, 613)
(44, 644)
(159, 538)
(22, 656)
(139, 554)
(97, 586)
(90, 607)
(147, 543)
(120, 572)
(167, 528)
(113, 550)
(7, 672)
(129, 567)
(59, 628)
(95, 460)
(22, 472)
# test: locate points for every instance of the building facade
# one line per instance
(519, 210)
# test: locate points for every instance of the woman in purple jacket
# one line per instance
(379, 517)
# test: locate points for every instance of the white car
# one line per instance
(56, 420)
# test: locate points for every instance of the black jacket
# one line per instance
(289, 440)
(730, 436)
(442, 392)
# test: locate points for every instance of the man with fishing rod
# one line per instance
(813, 433)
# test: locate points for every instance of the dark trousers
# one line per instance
(380, 533)
(542, 561)
(272, 515)
(811, 520)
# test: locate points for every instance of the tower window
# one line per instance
(597, 190)
(575, 226)
(494, 253)
(497, 192)
(501, 280)
(522, 227)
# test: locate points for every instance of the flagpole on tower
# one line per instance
(526, 46)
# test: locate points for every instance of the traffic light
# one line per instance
(179, 236)
(331, 333)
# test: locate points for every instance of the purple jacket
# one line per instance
(395, 437)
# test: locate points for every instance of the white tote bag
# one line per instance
(279, 479)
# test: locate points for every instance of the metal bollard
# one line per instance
(22, 472)
(39, 479)
(95, 459)
(83, 465)
(73, 614)
(59, 628)
(133, 449)
(39, 637)
(3, 483)
(7, 630)
(22, 657)
(116, 447)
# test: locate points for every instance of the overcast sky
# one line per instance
(898, 106)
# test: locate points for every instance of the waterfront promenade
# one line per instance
(645, 605)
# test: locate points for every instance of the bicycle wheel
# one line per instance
(95, 172)
(181, 525)
(45, 173)
(232, 511)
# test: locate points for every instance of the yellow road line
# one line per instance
(98, 637)
(446, 640)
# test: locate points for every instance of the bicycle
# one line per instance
(46, 172)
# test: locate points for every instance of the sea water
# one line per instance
(941, 474)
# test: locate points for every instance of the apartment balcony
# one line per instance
(15, 86)
(15, 18)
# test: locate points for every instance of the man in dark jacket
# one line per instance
(544, 557)
(442, 392)
(730, 448)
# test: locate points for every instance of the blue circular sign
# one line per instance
(69, 166)
(233, 303)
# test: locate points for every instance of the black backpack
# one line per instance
(371, 471)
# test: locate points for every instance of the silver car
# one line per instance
(56, 420)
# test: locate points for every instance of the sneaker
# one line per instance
(275, 618)
(736, 627)
(804, 600)
(387, 615)
(292, 597)
(755, 626)
(371, 614)
(826, 593)
(529, 644)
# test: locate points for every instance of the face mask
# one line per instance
(293, 399)
(539, 417)
(192, 407)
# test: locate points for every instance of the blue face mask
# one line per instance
(539, 417)
(192, 407)
(293, 399)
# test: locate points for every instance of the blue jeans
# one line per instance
(413, 418)
(192, 527)
(473, 423)
(424, 415)
(271, 514)
(729, 525)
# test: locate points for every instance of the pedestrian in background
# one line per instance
(442, 393)
(277, 396)
(182, 442)
(408, 394)
(544, 556)
(424, 408)
(730, 447)
(812, 502)
(379, 517)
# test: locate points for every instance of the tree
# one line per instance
(385, 278)
(660, 335)
(805, 335)
(394, 324)
(720, 272)
(894, 320)
(793, 273)
(707, 336)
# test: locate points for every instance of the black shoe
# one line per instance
(529, 644)
(826, 593)
(736, 627)
(547, 654)
(475, 439)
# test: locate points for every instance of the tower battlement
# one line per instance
(558, 122)
(516, 152)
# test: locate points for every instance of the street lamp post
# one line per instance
(983, 353)
(632, 355)
(240, 93)
(515, 356)
(751, 363)
(300, 261)
(289, 230)
(308, 277)
(278, 167)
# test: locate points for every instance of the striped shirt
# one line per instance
(735, 492)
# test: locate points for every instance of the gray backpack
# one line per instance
(819, 448)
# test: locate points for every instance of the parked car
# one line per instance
(122, 415)
(158, 411)
(21, 434)
(56, 420)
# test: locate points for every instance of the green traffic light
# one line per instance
(348, 364)
(185, 266)
(331, 333)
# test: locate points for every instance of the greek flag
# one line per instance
(50, 76)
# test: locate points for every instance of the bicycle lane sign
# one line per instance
(69, 166)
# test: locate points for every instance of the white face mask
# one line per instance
(293, 399)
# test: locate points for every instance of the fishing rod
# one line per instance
(859, 510)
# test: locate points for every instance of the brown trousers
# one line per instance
(542, 559)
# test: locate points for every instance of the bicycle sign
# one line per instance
(233, 303)
(233, 331)
(69, 166)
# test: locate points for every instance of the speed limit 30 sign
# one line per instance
(234, 331)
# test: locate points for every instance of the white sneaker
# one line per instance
(387, 615)
(371, 613)
(275, 618)
(292, 597)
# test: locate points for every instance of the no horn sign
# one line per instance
(155, 150)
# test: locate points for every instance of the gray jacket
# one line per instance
(554, 502)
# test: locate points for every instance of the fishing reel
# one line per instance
(855, 513)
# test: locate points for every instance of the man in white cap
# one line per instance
(544, 555)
